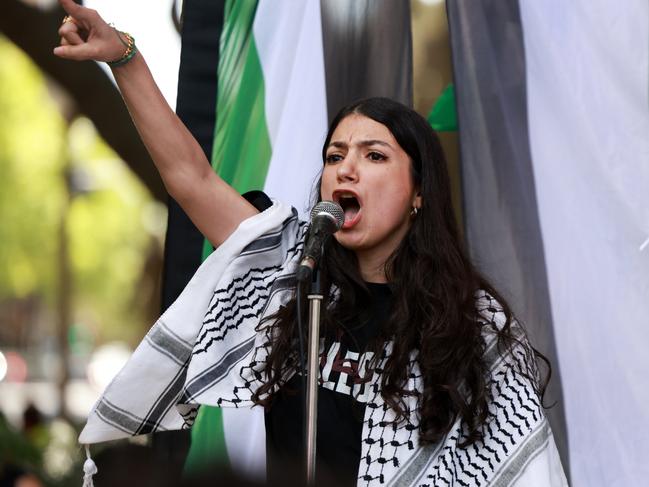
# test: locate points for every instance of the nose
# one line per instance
(347, 170)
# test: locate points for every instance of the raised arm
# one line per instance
(215, 208)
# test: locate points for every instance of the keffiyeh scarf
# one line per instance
(206, 349)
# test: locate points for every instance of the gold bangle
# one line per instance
(130, 51)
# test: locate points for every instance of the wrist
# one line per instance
(130, 49)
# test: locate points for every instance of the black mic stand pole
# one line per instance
(315, 301)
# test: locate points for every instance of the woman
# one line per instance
(425, 377)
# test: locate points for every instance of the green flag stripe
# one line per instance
(242, 148)
(208, 441)
(443, 116)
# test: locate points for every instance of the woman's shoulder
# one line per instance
(264, 246)
(493, 316)
(288, 229)
(503, 335)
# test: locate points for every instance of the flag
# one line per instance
(284, 69)
(553, 118)
(443, 116)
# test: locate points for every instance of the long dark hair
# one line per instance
(434, 287)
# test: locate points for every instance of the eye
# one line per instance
(333, 158)
(376, 156)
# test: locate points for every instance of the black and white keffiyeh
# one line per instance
(205, 349)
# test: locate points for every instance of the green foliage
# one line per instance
(16, 449)
(31, 193)
(108, 241)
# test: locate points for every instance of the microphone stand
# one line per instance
(315, 301)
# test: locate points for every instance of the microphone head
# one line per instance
(331, 211)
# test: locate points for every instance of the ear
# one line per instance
(417, 201)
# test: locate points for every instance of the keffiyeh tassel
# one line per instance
(89, 469)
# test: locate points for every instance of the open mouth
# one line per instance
(351, 207)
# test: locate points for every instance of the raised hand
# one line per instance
(185, 170)
(85, 35)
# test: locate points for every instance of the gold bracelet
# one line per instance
(130, 51)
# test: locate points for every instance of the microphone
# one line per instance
(327, 217)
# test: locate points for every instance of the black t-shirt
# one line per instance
(341, 403)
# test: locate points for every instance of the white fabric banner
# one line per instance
(288, 36)
(588, 104)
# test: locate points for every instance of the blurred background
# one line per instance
(83, 218)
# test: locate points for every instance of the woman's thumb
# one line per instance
(79, 52)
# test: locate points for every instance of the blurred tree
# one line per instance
(112, 228)
(16, 451)
(34, 30)
(31, 191)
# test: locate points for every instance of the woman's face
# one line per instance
(369, 175)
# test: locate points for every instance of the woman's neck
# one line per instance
(371, 267)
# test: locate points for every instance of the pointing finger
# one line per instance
(72, 8)
(81, 15)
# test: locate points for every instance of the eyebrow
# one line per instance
(362, 143)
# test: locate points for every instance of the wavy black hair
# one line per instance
(434, 287)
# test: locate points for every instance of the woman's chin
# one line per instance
(348, 240)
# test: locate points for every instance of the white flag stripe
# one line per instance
(588, 89)
(245, 440)
(288, 36)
